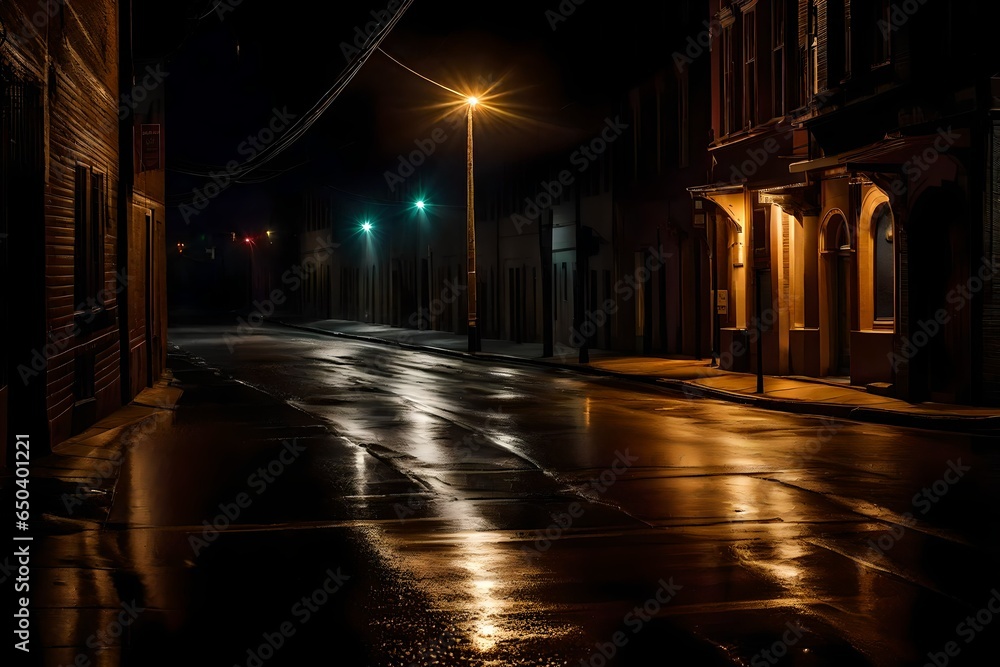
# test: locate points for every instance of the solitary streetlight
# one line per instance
(470, 102)
(249, 244)
(470, 234)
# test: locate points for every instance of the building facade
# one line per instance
(82, 247)
(853, 144)
(594, 245)
(837, 204)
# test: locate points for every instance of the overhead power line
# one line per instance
(301, 126)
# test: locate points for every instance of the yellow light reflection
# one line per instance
(480, 560)
(360, 471)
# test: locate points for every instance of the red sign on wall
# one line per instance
(149, 148)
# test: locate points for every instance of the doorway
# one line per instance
(840, 276)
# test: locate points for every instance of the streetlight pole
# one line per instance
(249, 243)
(470, 235)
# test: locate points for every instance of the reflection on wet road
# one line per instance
(517, 516)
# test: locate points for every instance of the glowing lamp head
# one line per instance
(366, 226)
(473, 101)
(420, 205)
(246, 240)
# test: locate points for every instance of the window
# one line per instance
(649, 133)
(684, 120)
(91, 213)
(883, 31)
(778, 58)
(750, 68)
(884, 259)
(812, 52)
(730, 119)
(847, 39)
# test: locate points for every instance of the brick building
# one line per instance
(81, 255)
(853, 145)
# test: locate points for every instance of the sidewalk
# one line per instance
(692, 377)
(78, 477)
(148, 543)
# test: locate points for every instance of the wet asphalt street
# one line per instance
(346, 503)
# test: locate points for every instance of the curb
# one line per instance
(951, 423)
(989, 425)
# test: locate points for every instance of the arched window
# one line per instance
(843, 235)
(884, 258)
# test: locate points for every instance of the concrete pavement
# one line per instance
(80, 473)
(75, 487)
(118, 574)
(690, 376)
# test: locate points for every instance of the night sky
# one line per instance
(231, 66)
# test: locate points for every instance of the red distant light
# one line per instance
(247, 239)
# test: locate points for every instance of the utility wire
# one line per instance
(425, 78)
(302, 125)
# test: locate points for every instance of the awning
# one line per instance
(730, 198)
(810, 165)
(800, 199)
(893, 155)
